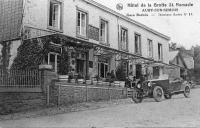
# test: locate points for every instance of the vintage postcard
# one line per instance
(99, 63)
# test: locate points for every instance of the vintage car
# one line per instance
(160, 88)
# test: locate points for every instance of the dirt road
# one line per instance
(176, 112)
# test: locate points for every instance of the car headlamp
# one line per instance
(138, 85)
(149, 84)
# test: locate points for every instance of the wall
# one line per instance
(10, 19)
(68, 94)
(15, 102)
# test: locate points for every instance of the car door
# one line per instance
(176, 84)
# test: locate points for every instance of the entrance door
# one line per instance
(80, 66)
(156, 73)
(103, 69)
(138, 71)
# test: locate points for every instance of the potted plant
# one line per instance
(95, 79)
(88, 80)
(71, 78)
(45, 67)
(80, 78)
(99, 80)
(63, 77)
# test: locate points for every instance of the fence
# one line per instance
(68, 94)
(20, 79)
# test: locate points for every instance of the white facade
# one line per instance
(36, 15)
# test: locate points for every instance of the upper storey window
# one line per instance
(160, 52)
(124, 39)
(55, 14)
(137, 44)
(81, 27)
(150, 48)
(104, 31)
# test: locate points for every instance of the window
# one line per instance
(137, 44)
(124, 39)
(81, 23)
(150, 48)
(53, 59)
(103, 69)
(1, 57)
(160, 53)
(104, 32)
(55, 10)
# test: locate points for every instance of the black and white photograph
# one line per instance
(99, 63)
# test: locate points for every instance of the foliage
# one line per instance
(30, 55)
(97, 77)
(5, 52)
(120, 73)
(87, 77)
(197, 54)
(64, 63)
(80, 76)
(173, 45)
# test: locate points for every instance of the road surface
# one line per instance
(176, 112)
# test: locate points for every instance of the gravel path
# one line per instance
(176, 112)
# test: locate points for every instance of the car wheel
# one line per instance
(158, 93)
(137, 97)
(187, 91)
(168, 96)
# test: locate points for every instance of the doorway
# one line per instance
(156, 72)
(80, 66)
(138, 71)
(103, 67)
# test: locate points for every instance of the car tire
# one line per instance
(158, 93)
(137, 97)
(187, 91)
(168, 96)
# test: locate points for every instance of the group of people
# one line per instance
(110, 76)
(130, 81)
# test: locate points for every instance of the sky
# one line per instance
(184, 30)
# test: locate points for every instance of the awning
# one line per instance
(86, 44)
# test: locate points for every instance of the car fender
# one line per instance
(165, 90)
(184, 84)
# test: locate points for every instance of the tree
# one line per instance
(196, 57)
(173, 45)
(5, 52)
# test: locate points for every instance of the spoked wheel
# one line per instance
(187, 91)
(158, 93)
(137, 97)
(168, 96)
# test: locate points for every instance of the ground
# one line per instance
(176, 112)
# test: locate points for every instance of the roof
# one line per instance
(172, 55)
(92, 2)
